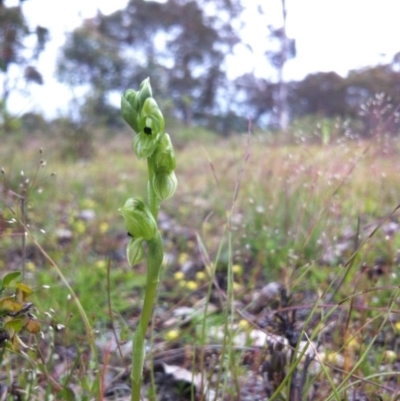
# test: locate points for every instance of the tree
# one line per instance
(285, 49)
(320, 93)
(177, 43)
(373, 93)
(13, 30)
(367, 95)
(256, 99)
(91, 59)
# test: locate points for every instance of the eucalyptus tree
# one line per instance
(14, 29)
(180, 44)
(285, 49)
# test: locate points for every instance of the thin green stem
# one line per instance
(154, 202)
(154, 262)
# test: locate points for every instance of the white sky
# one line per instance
(331, 35)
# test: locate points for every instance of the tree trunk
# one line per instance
(283, 103)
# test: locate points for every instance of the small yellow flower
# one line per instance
(182, 283)
(236, 286)
(192, 285)
(31, 266)
(243, 324)
(79, 227)
(397, 327)
(206, 226)
(389, 356)
(237, 269)
(172, 335)
(353, 343)
(71, 218)
(331, 357)
(100, 264)
(88, 203)
(178, 276)
(103, 228)
(183, 257)
(201, 276)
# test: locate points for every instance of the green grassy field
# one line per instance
(319, 221)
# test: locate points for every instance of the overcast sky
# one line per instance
(331, 35)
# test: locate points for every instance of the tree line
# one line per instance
(183, 46)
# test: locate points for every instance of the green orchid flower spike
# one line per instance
(141, 112)
(132, 103)
(139, 221)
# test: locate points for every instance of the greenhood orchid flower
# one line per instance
(143, 115)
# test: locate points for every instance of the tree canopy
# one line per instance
(13, 30)
(181, 44)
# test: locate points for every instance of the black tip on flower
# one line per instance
(147, 130)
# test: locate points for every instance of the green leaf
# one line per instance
(9, 304)
(67, 394)
(24, 289)
(33, 326)
(10, 279)
(23, 292)
(15, 324)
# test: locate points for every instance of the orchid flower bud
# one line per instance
(144, 92)
(130, 109)
(151, 120)
(144, 145)
(139, 221)
(151, 127)
(134, 251)
(164, 184)
(164, 155)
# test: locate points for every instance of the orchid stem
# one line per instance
(142, 113)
